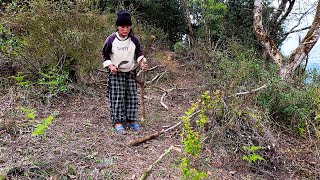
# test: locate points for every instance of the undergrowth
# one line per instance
(251, 119)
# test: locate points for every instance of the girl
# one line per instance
(121, 51)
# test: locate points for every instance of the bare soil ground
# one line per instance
(81, 142)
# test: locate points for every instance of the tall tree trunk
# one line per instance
(267, 42)
(286, 70)
(190, 33)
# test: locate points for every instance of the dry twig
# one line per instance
(249, 92)
(164, 95)
(154, 135)
(157, 77)
(145, 174)
(161, 101)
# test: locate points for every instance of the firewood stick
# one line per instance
(249, 92)
(155, 135)
(145, 174)
(143, 111)
(144, 139)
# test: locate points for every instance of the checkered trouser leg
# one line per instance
(122, 93)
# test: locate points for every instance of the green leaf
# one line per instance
(40, 128)
(256, 157)
(31, 115)
(246, 158)
(255, 148)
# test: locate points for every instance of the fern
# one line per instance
(29, 113)
(251, 156)
(42, 127)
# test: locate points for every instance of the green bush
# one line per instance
(62, 35)
(290, 105)
(66, 36)
(240, 69)
(9, 44)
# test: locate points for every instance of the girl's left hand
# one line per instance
(144, 65)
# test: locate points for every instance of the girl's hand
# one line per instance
(144, 65)
(113, 69)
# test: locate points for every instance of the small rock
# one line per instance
(177, 149)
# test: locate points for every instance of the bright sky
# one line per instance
(293, 40)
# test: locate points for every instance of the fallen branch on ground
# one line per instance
(155, 67)
(164, 95)
(144, 176)
(157, 77)
(161, 101)
(154, 135)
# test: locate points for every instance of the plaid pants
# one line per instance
(122, 94)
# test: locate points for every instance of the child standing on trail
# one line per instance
(121, 52)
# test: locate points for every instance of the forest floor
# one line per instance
(82, 144)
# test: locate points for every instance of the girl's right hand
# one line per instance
(113, 69)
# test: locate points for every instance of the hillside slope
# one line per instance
(81, 142)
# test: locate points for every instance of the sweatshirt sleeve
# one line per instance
(106, 51)
(139, 54)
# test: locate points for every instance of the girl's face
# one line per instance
(124, 31)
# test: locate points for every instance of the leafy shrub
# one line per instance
(21, 80)
(290, 105)
(250, 154)
(66, 36)
(241, 69)
(29, 113)
(53, 82)
(47, 84)
(9, 44)
(61, 35)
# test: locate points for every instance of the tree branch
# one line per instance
(144, 176)
(299, 22)
(304, 47)
(297, 30)
(278, 13)
(248, 92)
(286, 14)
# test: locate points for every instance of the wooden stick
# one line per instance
(143, 111)
(161, 101)
(154, 135)
(153, 79)
(144, 139)
(144, 176)
(164, 95)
